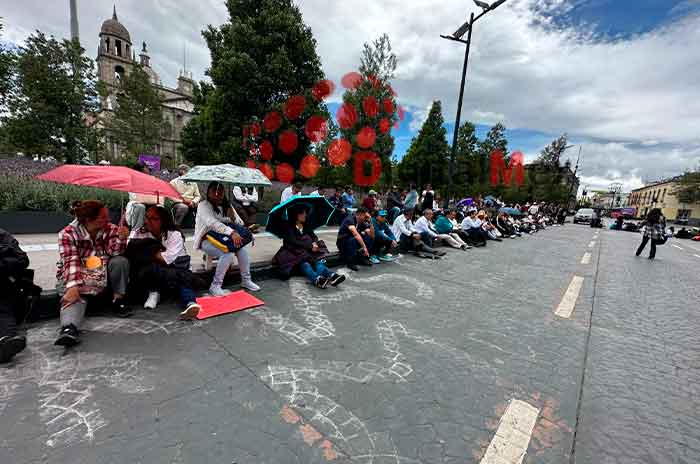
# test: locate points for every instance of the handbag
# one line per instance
(94, 273)
(225, 243)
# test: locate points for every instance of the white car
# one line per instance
(583, 216)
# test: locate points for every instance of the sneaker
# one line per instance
(321, 282)
(190, 312)
(387, 258)
(120, 308)
(216, 290)
(250, 285)
(353, 267)
(68, 336)
(337, 279)
(464, 247)
(10, 346)
(152, 301)
(374, 260)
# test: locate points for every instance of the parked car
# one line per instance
(583, 216)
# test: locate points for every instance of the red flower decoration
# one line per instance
(346, 116)
(370, 106)
(285, 173)
(371, 160)
(309, 166)
(254, 129)
(294, 107)
(266, 150)
(323, 89)
(288, 142)
(339, 152)
(388, 106)
(401, 113)
(351, 80)
(250, 164)
(397, 125)
(266, 169)
(384, 127)
(366, 137)
(374, 81)
(272, 121)
(316, 129)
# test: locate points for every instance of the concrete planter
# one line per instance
(33, 222)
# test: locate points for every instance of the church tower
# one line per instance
(114, 55)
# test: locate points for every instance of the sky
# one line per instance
(620, 77)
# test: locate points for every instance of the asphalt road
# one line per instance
(516, 351)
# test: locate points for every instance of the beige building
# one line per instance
(662, 195)
(115, 59)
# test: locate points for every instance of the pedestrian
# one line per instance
(654, 231)
(427, 198)
(189, 191)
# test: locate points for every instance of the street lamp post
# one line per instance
(465, 28)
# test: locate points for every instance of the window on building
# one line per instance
(118, 47)
(109, 48)
(683, 214)
(128, 52)
(663, 196)
(118, 73)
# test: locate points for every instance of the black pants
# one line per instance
(645, 240)
(477, 236)
(8, 317)
(380, 247)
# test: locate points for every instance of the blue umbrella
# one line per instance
(511, 211)
(319, 212)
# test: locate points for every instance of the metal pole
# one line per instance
(453, 155)
(74, 29)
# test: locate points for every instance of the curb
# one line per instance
(47, 306)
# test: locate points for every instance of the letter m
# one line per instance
(499, 169)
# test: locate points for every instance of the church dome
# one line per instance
(114, 28)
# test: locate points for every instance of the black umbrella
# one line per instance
(319, 212)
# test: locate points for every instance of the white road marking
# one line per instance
(676, 246)
(592, 244)
(568, 302)
(697, 256)
(694, 248)
(586, 259)
(512, 438)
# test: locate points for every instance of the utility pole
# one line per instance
(571, 187)
(74, 28)
(465, 28)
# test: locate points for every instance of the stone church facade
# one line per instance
(115, 59)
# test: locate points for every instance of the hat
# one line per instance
(183, 166)
(372, 192)
(382, 213)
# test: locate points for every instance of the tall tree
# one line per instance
(426, 159)
(263, 55)
(137, 119)
(495, 141)
(6, 71)
(469, 169)
(551, 154)
(378, 60)
(53, 92)
(688, 188)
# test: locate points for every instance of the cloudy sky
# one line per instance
(619, 76)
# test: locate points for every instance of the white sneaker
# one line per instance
(190, 312)
(250, 285)
(216, 290)
(152, 301)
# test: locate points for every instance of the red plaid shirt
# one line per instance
(75, 245)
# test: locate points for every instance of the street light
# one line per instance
(465, 28)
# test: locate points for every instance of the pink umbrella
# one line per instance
(111, 178)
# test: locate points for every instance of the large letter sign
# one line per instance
(498, 169)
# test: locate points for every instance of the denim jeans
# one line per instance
(225, 261)
(321, 270)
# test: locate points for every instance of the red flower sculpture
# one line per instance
(388, 106)
(288, 142)
(323, 89)
(384, 126)
(309, 166)
(272, 122)
(351, 80)
(370, 106)
(294, 107)
(375, 168)
(266, 169)
(346, 116)
(316, 129)
(266, 150)
(285, 173)
(366, 137)
(339, 152)
(250, 164)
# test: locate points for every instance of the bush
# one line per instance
(18, 193)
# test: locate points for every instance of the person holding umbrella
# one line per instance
(90, 266)
(215, 214)
(302, 251)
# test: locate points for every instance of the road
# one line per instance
(557, 348)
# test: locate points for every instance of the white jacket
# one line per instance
(245, 198)
(209, 220)
(423, 226)
(402, 226)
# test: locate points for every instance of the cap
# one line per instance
(372, 192)
(382, 213)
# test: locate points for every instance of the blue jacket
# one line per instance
(348, 200)
(382, 231)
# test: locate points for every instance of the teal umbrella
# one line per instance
(319, 212)
(228, 174)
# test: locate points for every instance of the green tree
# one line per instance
(426, 159)
(137, 120)
(495, 141)
(7, 60)
(468, 170)
(263, 55)
(52, 93)
(688, 188)
(378, 60)
(551, 154)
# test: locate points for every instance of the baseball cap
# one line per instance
(372, 192)
(382, 213)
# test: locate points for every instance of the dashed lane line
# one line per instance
(568, 302)
(592, 244)
(697, 256)
(586, 259)
(509, 444)
(676, 246)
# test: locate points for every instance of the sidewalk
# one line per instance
(43, 253)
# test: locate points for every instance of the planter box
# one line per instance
(33, 222)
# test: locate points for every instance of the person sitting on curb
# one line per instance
(90, 267)
(384, 239)
(429, 235)
(457, 227)
(370, 201)
(410, 240)
(138, 202)
(245, 205)
(355, 238)
(394, 204)
(489, 228)
(293, 190)
(348, 200)
(303, 252)
(445, 226)
(215, 214)
(472, 226)
(159, 261)
(504, 226)
(339, 211)
(13, 263)
(189, 191)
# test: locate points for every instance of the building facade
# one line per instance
(662, 195)
(115, 59)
